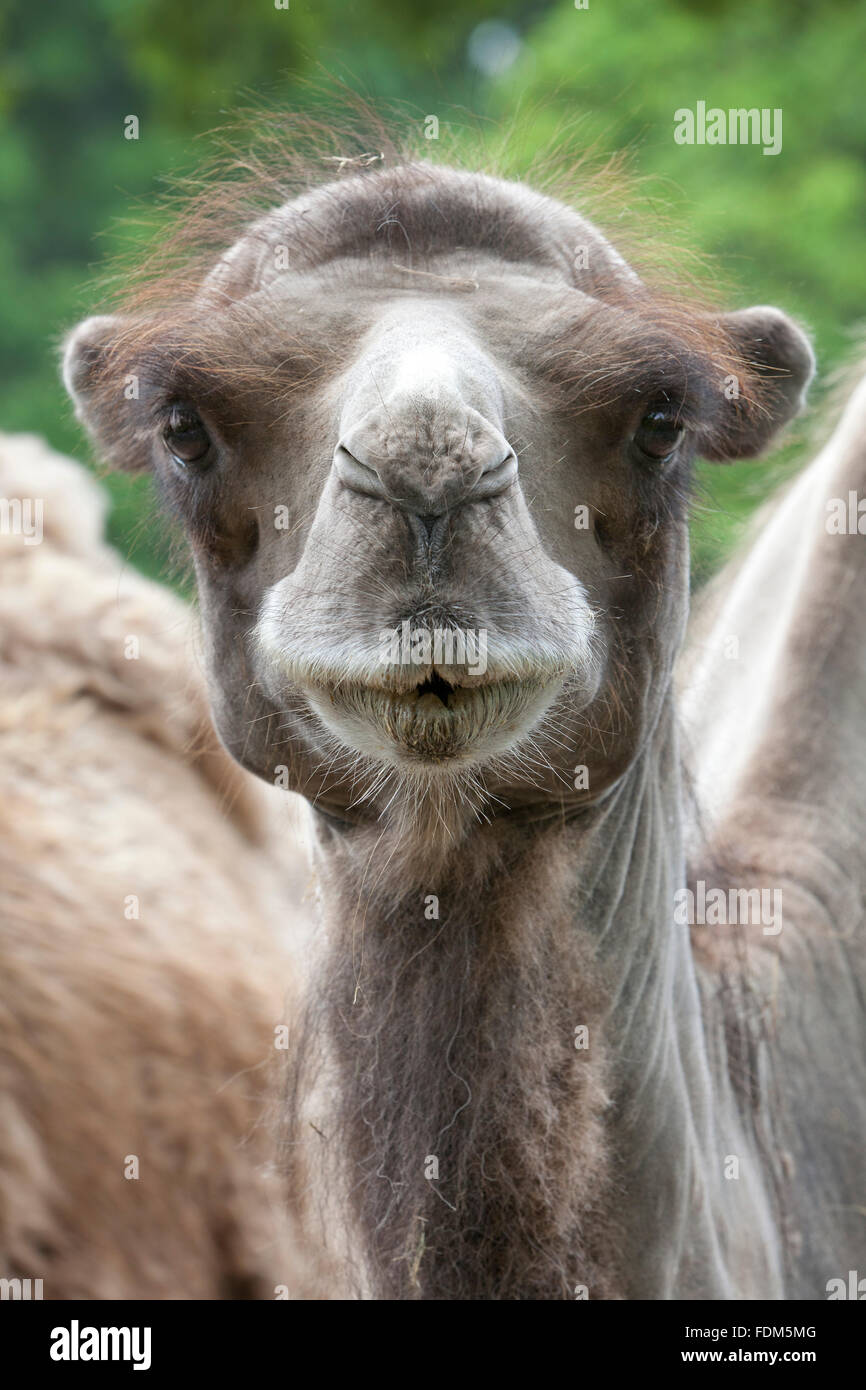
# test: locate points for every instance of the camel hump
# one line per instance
(773, 683)
(144, 961)
(81, 625)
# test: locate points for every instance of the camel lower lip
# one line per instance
(428, 728)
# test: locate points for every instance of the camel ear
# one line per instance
(106, 402)
(778, 362)
(84, 353)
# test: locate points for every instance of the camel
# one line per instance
(143, 969)
(427, 400)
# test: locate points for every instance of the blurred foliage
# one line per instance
(787, 229)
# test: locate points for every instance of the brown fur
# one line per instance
(512, 1111)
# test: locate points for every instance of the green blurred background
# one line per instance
(787, 229)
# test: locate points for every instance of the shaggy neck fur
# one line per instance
(470, 1148)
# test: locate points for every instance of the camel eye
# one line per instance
(186, 438)
(658, 435)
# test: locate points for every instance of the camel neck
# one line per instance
(520, 1061)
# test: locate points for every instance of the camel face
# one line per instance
(426, 622)
(447, 601)
(438, 511)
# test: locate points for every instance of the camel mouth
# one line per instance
(433, 694)
(440, 701)
(427, 717)
(438, 722)
(436, 716)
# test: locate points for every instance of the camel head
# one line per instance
(430, 440)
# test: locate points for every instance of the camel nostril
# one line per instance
(358, 476)
(496, 477)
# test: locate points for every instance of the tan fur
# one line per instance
(154, 1036)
